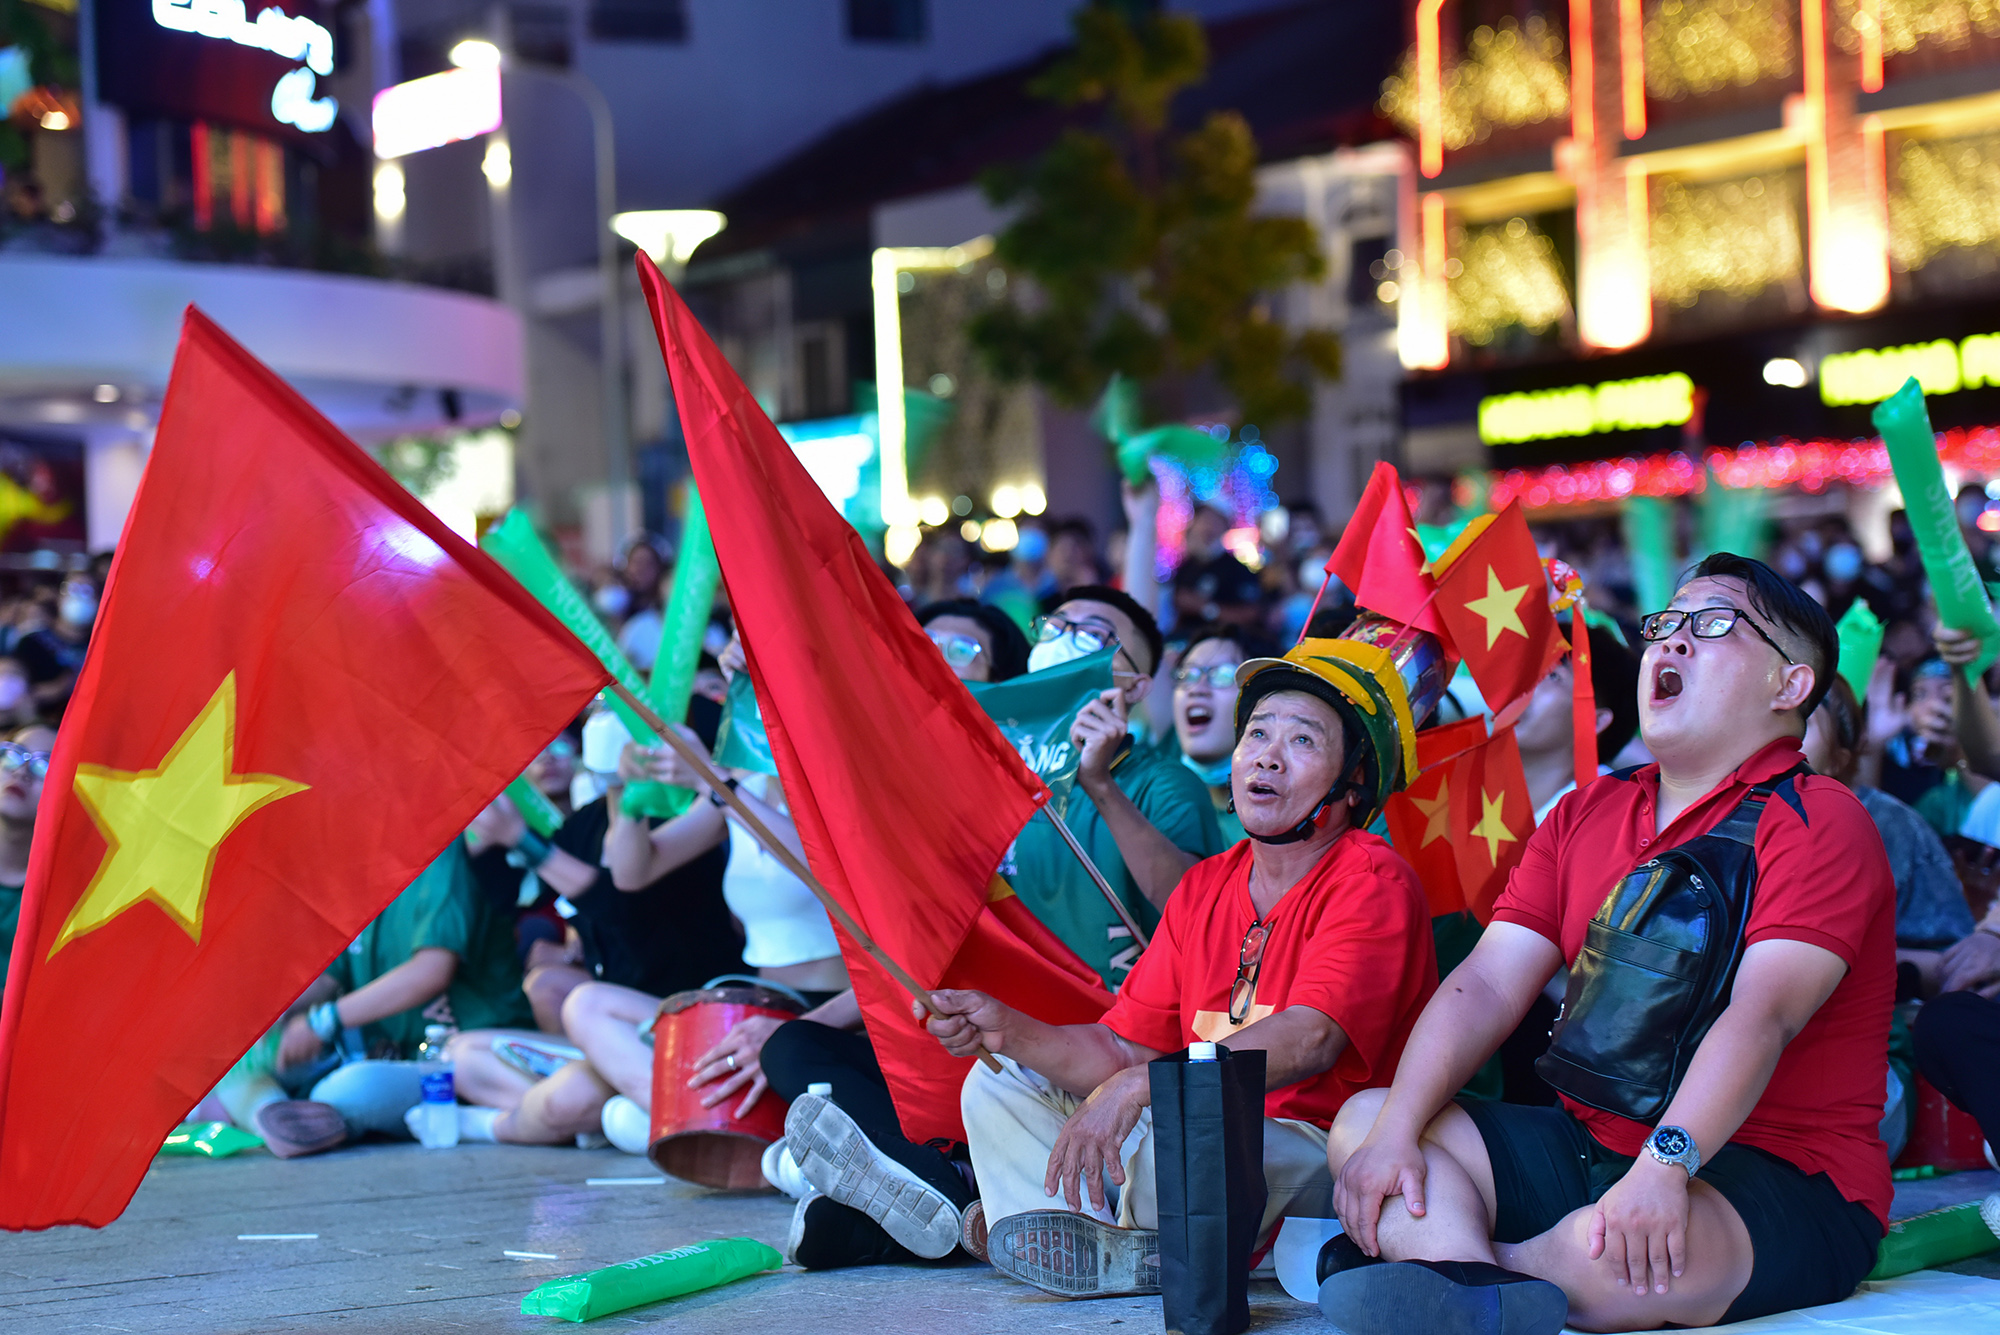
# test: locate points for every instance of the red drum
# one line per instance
(711, 1145)
(1942, 1135)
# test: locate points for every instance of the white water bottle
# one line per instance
(437, 1115)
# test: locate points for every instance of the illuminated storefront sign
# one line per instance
(1586, 410)
(1870, 375)
(843, 457)
(435, 110)
(273, 30)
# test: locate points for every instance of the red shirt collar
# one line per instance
(1768, 763)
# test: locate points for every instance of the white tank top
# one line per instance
(782, 922)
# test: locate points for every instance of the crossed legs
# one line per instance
(1461, 1209)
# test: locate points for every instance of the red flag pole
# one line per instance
(1110, 895)
(762, 832)
(1583, 697)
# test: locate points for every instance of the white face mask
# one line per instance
(13, 690)
(1056, 652)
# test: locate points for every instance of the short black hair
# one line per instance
(1126, 603)
(1786, 605)
(1252, 643)
(1009, 657)
(1848, 715)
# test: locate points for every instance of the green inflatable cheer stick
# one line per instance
(1649, 538)
(1860, 645)
(209, 1140)
(696, 576)
(1188, 446)
(1961, 599)
(512, 542)
(702, 1265)
(1116, 416)
(542, 815)
(1955, 1233)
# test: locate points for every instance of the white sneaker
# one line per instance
(797, 1232)
(838, 1158)
(781, 1170)
(627, 1125)
(1987, 1146)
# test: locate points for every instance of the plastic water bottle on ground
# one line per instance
(437, 1115)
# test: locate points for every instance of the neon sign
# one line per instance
(1870, 375)
(1585, 410)
(435, 110)
(294, 38)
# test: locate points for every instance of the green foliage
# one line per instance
(52, 58)
(1145, 256)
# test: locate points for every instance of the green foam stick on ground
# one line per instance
(1961, 599)
(696, 577)
(700, 1265)
(542, 815)
(512, 542)
(1955, 1233)
(1860, 645)
(209, 1140)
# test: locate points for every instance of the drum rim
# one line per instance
(737, 994)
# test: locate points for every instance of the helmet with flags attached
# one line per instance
(1382, 679)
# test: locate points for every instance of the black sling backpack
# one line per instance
(1657, 966)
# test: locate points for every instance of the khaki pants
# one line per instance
(1012, 1120)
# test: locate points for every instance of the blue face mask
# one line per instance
(1214, 773)
(1033, 546)
(1843, 562)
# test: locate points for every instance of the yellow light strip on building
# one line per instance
(1585, 410)
(1870, 375)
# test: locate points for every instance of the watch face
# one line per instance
(1670, 1141)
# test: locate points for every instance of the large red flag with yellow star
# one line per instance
(1493, 595)
(302, 685)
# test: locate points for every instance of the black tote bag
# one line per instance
(1208, 1158)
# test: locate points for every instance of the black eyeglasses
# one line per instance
(1706, 623)
(14, 756)
(1091, 636)
(1249, 960)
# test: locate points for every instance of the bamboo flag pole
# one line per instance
(792, 862)
(1110, 895)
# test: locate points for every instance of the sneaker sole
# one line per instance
(1397, 1298)
(1075, 1256)
(836, 1157)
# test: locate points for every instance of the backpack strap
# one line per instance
(1741, 824)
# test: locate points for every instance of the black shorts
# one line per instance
(1809, 1244)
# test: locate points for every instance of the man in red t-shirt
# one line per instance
(1311, 941)
(1764, 1186)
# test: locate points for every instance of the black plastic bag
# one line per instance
(1208, 1155)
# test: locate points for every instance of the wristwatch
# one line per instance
(1673, 1145)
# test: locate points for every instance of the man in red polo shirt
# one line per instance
(1310, 940)
(1764, 1186)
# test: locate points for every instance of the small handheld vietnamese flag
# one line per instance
(1493, 597)
(1491, 819)
(301, 687)
(1419, 817)
(1380, 560)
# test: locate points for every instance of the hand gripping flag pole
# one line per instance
(792, 862)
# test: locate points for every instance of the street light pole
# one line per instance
(611, 306)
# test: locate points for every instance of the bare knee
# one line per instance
(1352, 1124)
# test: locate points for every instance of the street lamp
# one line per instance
(479, 53)
(668, 235)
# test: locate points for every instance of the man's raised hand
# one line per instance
(1096, 732)
(965, 1021)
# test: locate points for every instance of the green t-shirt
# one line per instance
(1059, 892)
(10, 921)
(442, 908)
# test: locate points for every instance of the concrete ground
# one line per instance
(411, 1240)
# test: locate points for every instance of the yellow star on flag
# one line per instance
(1492, 825)
(163, 825)
(1501, 607)
(1436, 812)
